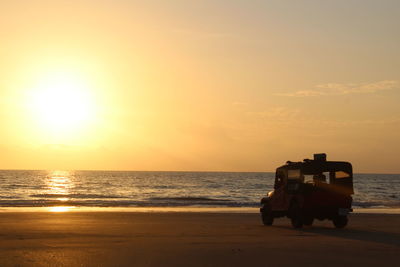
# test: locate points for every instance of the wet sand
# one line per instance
(192, 239)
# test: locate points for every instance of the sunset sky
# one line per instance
(199, 85)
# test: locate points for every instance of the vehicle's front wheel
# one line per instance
(340, 221)
(266, 215)
(296, 216)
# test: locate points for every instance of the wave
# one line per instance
(376, 204)
(188, 199)
(80, 196)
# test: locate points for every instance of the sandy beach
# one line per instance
(192, 239)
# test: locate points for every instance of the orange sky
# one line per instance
(198, 85)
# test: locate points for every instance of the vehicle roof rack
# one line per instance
(320, 156)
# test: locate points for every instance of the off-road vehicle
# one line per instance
(310, 189)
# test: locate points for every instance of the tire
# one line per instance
(340, 221)
(296, 216)
(266, 216)
(308, 221)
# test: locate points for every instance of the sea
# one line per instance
(27, 188)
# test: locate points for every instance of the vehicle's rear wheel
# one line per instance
(308, 220)
(266, 215)
(296, 215)
(340, 221)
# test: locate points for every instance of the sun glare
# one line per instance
(61, 102)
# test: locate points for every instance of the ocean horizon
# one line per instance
(43, 188)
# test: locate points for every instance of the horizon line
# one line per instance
(113, 170)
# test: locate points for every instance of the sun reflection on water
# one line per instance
(59, 184)
(60, 209)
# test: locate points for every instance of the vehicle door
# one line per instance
(295, 178)
(278, 201)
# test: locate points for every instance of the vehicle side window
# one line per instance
(341, 174)
(308, 178)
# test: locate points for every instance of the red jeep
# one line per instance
(310, 189)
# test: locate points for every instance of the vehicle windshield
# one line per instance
(294, 174)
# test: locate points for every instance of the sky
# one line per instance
(199, 85)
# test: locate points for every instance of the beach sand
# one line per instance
(192, 239)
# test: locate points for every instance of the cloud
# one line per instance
(276, 114)
(296, 117)
(337, 89)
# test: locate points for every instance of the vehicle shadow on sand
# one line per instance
(386, 238)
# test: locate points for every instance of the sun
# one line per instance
(61, 103)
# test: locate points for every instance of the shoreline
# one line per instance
(190, 209)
